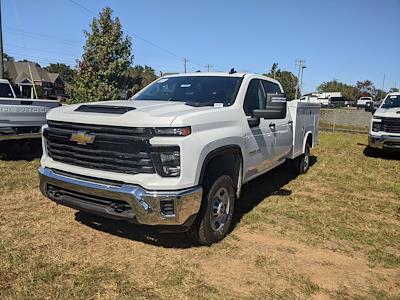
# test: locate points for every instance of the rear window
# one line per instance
(5, 91)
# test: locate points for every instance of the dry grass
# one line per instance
(333, 233)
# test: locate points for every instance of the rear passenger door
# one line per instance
(283, 128)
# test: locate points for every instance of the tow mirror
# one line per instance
(369, 106)
(253, 122)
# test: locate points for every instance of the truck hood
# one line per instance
(142, 114)
(388, 112)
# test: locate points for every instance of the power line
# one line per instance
(137, 35)
(33, 34)
(36, 49)
(39, 59)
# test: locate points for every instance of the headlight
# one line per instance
(173, 131)
(167, 161)
(376, 126)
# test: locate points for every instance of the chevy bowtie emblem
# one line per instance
(82, 138)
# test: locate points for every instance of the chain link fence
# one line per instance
(345, 119)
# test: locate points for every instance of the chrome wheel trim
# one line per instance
(220, 208)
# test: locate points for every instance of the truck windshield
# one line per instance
(5, 91)
(206, 90)
(391, 102)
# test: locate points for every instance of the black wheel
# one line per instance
(212, 223)
(302, 163)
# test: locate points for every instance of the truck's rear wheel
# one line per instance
(302, 163)
(215, 215)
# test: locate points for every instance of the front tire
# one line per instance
(215, 216)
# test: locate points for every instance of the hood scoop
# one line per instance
(104, 109)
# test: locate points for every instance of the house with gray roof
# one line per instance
(23, 75)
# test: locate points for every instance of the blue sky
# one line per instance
(346, 40)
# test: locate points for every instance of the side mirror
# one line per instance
(253, 121)
(370, 107)
(271, 113)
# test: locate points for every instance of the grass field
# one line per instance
(332, 233)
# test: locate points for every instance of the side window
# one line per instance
(255, 97)
(271, 88)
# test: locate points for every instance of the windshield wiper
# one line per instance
(200, 104)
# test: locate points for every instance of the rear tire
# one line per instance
(302, 163)
(215, 216)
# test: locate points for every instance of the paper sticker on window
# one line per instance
(217, 104)
(185, 85)
(163, 80)
(393, 97)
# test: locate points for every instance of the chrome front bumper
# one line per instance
(384, 142)
(121, 201)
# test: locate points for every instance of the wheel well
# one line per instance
(224, 161)
(309, 139)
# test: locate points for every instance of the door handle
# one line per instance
(272, 125)
(290, 122)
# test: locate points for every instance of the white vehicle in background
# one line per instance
(324, 102)
(177, 154)
(384, 130)
(362, 102)
(21, 119)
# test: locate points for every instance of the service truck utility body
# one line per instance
(175, 161)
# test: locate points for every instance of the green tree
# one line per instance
(138, 77)
(365, 88)
(380, 94)
(287, 79)
(66, 73)
(105, 61)
(394, 90)
(349, 92)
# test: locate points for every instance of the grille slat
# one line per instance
(391, 125)
(115, 149)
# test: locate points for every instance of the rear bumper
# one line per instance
(9, 133)
(384, 142)
(121, 201)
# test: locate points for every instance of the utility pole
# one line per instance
(184, 64)
(209, 67)
(383, 85)
(1, 48)
(300, 64)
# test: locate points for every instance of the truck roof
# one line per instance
(221, 74)
(4, 81)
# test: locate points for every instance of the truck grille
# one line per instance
(391, 125)
(115, 149)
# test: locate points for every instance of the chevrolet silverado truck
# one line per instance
(21, 119)
(177, 153)
(384, 131)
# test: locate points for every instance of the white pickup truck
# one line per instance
(362, 102)
(384, 132)
(21, 119)
(177, 154)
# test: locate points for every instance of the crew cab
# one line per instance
(384, 131)
(21, 119)
(177, 153)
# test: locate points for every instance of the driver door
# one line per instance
(260, 140)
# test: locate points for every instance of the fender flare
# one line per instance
(308, 133)
(223, 150)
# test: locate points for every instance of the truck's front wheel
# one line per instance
(215, 215)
